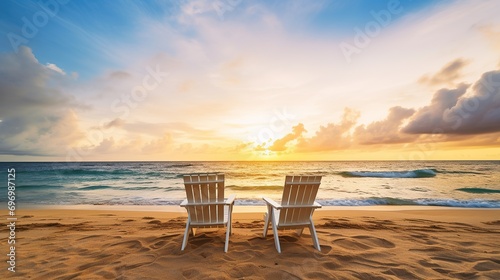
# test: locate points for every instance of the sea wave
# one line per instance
(460, 172)
(38, 187)
(93, 172)
(372, 201)
(132, 188)
(180, 165)
(367, 201)
(478, 190)
(473, 203)
(419, 173)
(93, 188)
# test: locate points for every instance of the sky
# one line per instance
(249, 80)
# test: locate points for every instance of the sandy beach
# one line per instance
(366, 243)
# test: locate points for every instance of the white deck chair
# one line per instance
(205, 204)
(296, 208)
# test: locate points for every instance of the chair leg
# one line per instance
(299, 231)
(267, 217)
(266, 224)
(314, 236)
(230, 219)
(276, 237)
(186, 236)
(193, 231)
(228, 232)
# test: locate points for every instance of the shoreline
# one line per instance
(254, 214)
(240, 208)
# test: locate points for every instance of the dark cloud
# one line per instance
(386, 131)
(447, 75)
(453, 112)
(38, 118)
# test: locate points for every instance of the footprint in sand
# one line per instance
(487, 266)
(132, 244)
(318, 275)
(243, 270)
(289, 238)
(449, 259)
(363, 242)
(239, 256)
(134, 261)
(190, 273)
(201, 239)
(158, 244)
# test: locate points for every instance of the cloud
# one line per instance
(106, 146)
(492, 35)
(386, 131)
(38, 117)
(463, 116)
(280, 144)
(452, 111)
(114, 123)
(178, 129)
(119, 75)
(158, 146)
(55, 68)
(332, 136)
(447, 75)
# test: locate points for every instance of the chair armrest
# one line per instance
(276, 205)
(271, 202)
(184, 203)
(300, 206)
(230, 199)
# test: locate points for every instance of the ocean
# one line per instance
(345, 183)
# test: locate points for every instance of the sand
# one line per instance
(373, 243)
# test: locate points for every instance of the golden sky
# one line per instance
(201, 80)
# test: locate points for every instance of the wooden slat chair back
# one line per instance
(296, 208)
(298, 190)
(208, 190)
(206, 205)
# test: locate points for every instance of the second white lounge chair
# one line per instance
(205, 204)
(296, 208)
